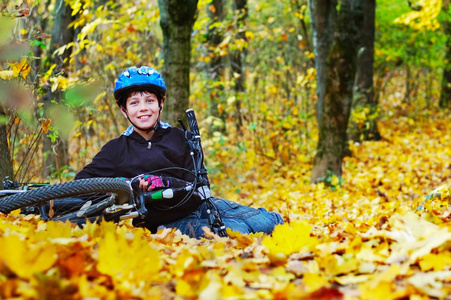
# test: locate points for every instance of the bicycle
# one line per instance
(115, 199)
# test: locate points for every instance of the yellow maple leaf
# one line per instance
(24, 258)
(379, 292)
(436, 262)
(186, 262)
(335, 264)
(21, 67)
(243, 240)
(59, 82)
(314, 281)
(249, 35)
(288, 239)
(125, 259)
(184, 288)
(382, 286)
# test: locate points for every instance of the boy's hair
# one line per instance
(122, 101)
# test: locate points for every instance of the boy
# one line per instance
(150, 144)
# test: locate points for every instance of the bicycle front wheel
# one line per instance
(69, 200)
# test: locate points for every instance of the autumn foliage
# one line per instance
(382, 232)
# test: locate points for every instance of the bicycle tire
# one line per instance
(81, 187)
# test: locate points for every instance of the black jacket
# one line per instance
(131, 155)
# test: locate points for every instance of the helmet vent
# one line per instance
(145, 71)
(144, 78)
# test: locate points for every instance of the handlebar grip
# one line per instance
(161, 194)
(192, 121)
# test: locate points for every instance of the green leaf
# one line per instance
(38, 43)
(6, 29)
(82, 95)
(62, 119)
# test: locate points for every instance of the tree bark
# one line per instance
(323, 15)
(177, 18)
(6, 166)
(215, 71)
(339, 76)
(36, 19)
(445, 95)
(56, 155)
(363, 88)
(240, 8)
(236, 60)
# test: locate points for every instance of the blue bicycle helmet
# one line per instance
(139, 78)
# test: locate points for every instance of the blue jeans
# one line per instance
(235, 216)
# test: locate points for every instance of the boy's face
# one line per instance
(142, 109)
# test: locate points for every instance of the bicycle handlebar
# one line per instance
(9, 184)
(192, 122)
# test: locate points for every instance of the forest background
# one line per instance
(258, 80)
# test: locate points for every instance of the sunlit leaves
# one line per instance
(26, 259)
(288, 239)
(415, 26)
(359, 240)
(6, 74)
(22, 68)
(424, 15)
(436, 262)
(120, 257)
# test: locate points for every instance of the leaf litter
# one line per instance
(383, 232)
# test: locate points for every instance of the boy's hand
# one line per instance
(149, 183)
(144, 185)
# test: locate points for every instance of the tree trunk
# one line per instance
(236, 60)
(339, 78)
(215, 71)
(6, 166)
(323, 14)
(36, 19)
(56, 154)
(176, 20)
(363, 88)
(445, 95)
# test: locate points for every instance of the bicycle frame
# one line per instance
(10, 192)
(11, 187)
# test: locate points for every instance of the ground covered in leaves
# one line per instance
(380, 232)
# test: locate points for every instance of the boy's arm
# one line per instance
(102, 165)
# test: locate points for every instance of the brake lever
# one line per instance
(9, 184)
